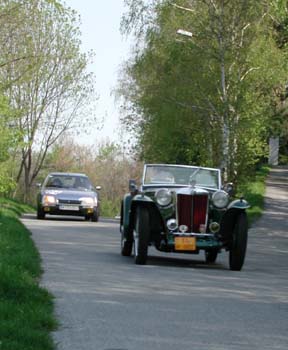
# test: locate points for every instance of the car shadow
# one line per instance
(54, 217)
(183, 262)
(32, 216)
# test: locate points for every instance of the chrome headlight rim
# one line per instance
(220, 199)
(163, 197)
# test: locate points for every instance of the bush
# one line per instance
(253, 190)
(109, 208)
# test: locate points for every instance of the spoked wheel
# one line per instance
(239, 244)
(141, 235)
(126, 245)
(211, 256)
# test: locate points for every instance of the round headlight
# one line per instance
(163, 197)
(220, 199)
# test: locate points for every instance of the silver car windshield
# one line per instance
(181, 175)
(69, 182)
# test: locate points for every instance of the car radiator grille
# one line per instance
(192, 211)
(69, 201)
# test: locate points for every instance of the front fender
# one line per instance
(125, 212)
(239, 204)
(229, 220)
(142, 199)
(156, 223)
(128, 204)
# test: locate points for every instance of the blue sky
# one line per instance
(100, 32)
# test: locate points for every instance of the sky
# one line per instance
(100, 24)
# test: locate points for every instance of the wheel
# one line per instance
(141, 236)
(95, 216)
(239, 244)
(126, 245)
(40, 213)
(211, 256)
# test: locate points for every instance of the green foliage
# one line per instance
(7, 184)
(110, 208)
(8, 133)
(208, 99)
(26, 310)
(9, 139)
(253, 190)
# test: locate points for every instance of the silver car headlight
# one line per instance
(87, 201)
(48, 199)
(163, 197)
(220, 199)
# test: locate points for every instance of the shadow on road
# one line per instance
(180, 262)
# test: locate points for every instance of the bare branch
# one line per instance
(248, 71)
(182, 8)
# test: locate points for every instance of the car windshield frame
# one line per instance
(174, 175)
(68, 182)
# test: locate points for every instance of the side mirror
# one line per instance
(98, 188)
(38, 184)
(133, 187)
(229, 188)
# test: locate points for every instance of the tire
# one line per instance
(211, 256)
(239, 244)
(141, 236)
(40, 213)
(126, 245)
(95, 216)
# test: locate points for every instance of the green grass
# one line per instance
(253, 191)
(26, 309)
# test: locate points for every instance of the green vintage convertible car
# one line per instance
(183, 209)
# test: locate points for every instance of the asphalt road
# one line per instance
(105, 302)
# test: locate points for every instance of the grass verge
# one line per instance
(253, 191)
(26, 309)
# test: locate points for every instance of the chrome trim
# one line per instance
(191, 234)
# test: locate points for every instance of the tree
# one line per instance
(8, 140)
(279, 118)
(50, 87)
(208, 97)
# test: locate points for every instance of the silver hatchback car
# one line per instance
(68, 194)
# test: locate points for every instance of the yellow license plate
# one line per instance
(185, 243)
